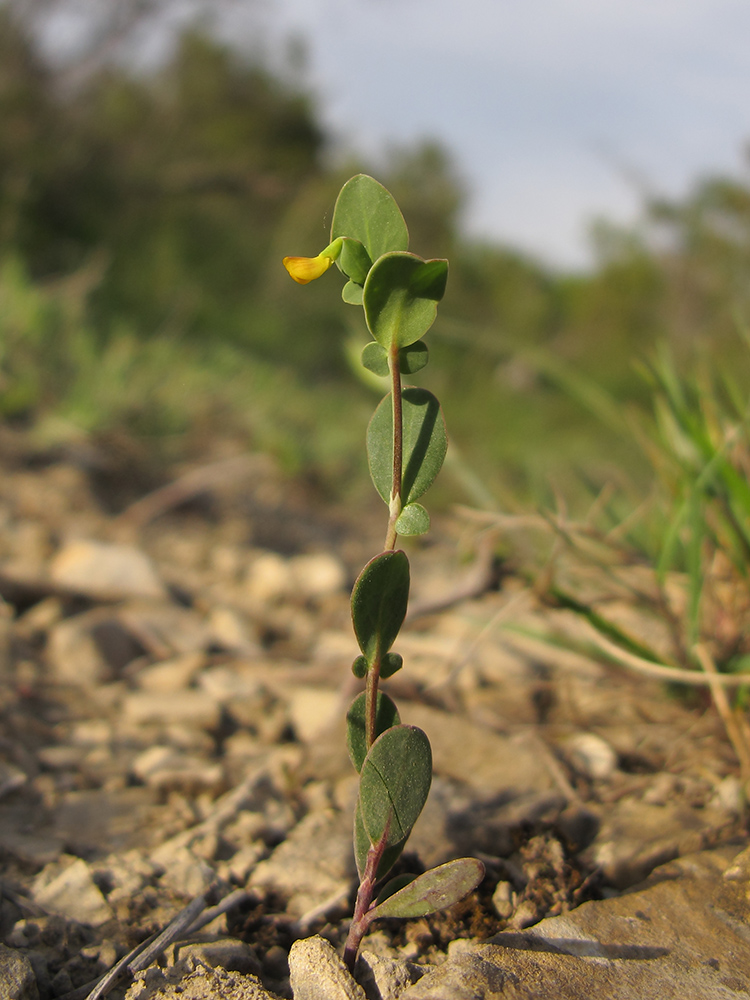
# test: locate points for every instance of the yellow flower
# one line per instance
(306, 269)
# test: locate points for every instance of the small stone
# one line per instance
(105, 571)
(268, 578)
(225, 953)
(192, 707)
(729, 796)
(313, 864)
(11, 778)
(184, 872)
(73, 655)
(313, 710)
(384, 978)
(317, 973)
(17, 979)
(503, 900)
(591, 756)
(170, 675)
(230, 631)
(72, 893)
(317, 575)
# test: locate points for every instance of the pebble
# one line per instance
(313, 864)
(191, 707)
(317, 973)
(590, 756)
(317, 575)
(17, 979)
(170, 675)
(68, 888)
(106, 572)
(503, 900)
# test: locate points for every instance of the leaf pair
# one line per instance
(399, 290)
(395, 780)
(425, 443)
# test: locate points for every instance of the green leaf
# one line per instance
(351, 293)
(394, 782)
(362, 846)
(367, 212)
(401, 296)
(436, 889)
(386, 715)
(413, 520)
(394, 885)
(359, 667)
(413, 358)
(379, 601)
(425, 442)
(390, 664)
(354, 261)
(375, 358)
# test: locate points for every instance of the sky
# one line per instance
(556, 111)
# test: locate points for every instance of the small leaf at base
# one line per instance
(413, 520)
(436, 889)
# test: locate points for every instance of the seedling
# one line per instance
(406, 445)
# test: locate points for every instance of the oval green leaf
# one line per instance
(386, 715)
(425, 443)
(390, 664)
(413, 520)
(436, 889)
(351, 293)
(375, 358)
(413, 358)
(401, 296)
(354, 261)
(359, 667)
(379, 601)
(366, 211)
(394, 783)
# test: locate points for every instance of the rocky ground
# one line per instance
(174, 674)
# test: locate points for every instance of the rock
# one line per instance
(268, 578)
(68, 888)
(184, 872)
(11, 778)
(313, 710)
(225, 953)
(106, 572)
(317, 973)
(590, 756)
(472, 977)
(488, 761)
(183, 982)
(315, 862)
(191, 707)
(231, 631)
(383, 978)
(72, 653)
(635, 837)
(171, 675)
(166, 769)
(503, 900)
(17, 979)
(682, 934)
(317, 575)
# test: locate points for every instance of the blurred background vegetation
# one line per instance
(143, 218)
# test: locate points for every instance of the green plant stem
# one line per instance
(398, 447)
(373, 673)
(371, 701)
(360, 922)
